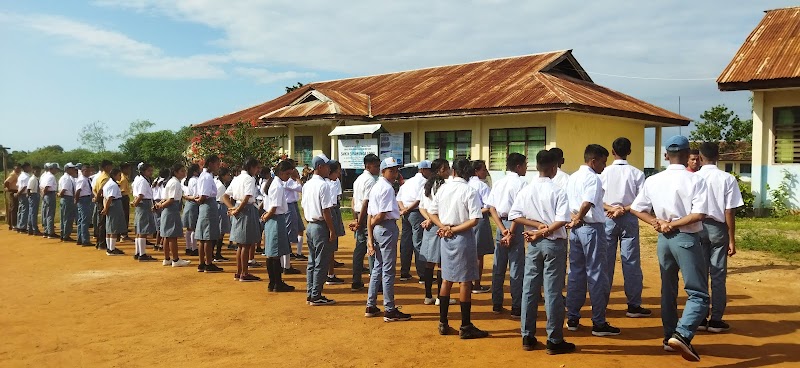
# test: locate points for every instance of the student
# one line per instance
(622, 183)
(317, 203)
(361, 189)
(276, 239)
(263, 177)
(483, 231)
(587, 243)
(411, 238)
(294, 222)
(68, 201)
(511, 253)
(33, 202)
(383, 214)
(245, 227)
(430, 252)
(83, 199)
(171, 226)
(190, 208)
(694, 161)
(718, 237)
(158, 196)
(222, 181)
(561, 177)
(455, 210)
(12, 201)
(680, 203)
(97, 190)
(22, 198)
(543, 209)
(112, 211)
(144, 224)
(125, 189)
(335, 187)
(207, 220)
(48, 186)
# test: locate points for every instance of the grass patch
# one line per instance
(778, 244)
(791, 223)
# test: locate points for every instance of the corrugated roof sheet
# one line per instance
(770, 56)
(540, 82)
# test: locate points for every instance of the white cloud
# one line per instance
(264, 76)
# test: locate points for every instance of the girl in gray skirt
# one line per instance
(144, 223)
(245, 228)
(112, 210)
(483, 232)
(221, 181)
(191, 209)
(158, 196)
(429, 252)
(171, 225)
(276, 240)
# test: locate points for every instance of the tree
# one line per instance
(721, 124)
(136, 127)
(160, 149)
(294, 87)
(233, 144)
(94, 136)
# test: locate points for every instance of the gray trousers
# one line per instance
(49, 213)
(513, 259)
(411, 243)
(359, 252)
(383, 273)
(84, 219)
(624, 231)
(319, 258)
(714, 239)
(545, 266)
(587, 269)
(22, 211)
(33, 213)
(68, 212)
(682, 252)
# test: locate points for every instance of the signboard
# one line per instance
(392, 146)
(352, 152)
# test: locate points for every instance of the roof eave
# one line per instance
(760, 84)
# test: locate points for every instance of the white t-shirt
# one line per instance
(316, 198)
(111, 190)
(723, 191)
(456, 202)
(382, 199)
(47, 183)
(504, 191)
(205, 185)
(67, 184)
(409, 191)
(543, 201)
(482, 189)
(672, 194)
(585, 186)
(361, 188)
(174, 189)
(622, 183)
(276, 197)
(241, 186)
(141, 186)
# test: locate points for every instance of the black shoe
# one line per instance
(334, 281)
(337, 264)
(703, 326)
(136, 257)
(605, 330)
(396, 315)
(718, 326)
(195, 252)
(282, 287)
(146, 258)
(471, 332)
(498, 309)
(357, 286)
(321, 301)
(562, 347)
(115, 252)
(516, 314)
(291, 271)
(87, 244)
(301, 257)
(231, 247)
(572, 325)
(372, 312)
(405, 277)
(220, 258)
(187, 252)
(637, 312)
(679, 343)
(365, 271)
(212, 268)
(147, 242)
(201, 268)
(529, 342)
(444, 329)
(259, 250)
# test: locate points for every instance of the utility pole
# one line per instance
(5, 176)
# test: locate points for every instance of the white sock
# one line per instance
(112, 243)
(187, 236)
(136, 245)
(142, 246)
(192, 239)
(299, 244)
(285, 261)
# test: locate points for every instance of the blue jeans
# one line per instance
(319, 258)
(49, 213)
(545, 265)
(682, 252)
(359, 252)
(512, 257)
(625, 231)
(385, 244)
(411, 243)
(22, 212)
(68, 212)
(33, 213)
(714, 239)
(84, 219)
(587, 259)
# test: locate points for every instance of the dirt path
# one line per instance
(66, 306)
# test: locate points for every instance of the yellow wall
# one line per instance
(574, 131)
(765, 171)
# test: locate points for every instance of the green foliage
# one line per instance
(294, 87)
(135, 128)
(721, 124)
(772, 242)
(233, 144)
(94, 136)
(747, 197)
(39, 156)
(781, 196)
(160, 149)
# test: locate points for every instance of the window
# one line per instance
(406, 148)
(787, 134)
(526, 141)
(728, 167)
(303, 149)
(745, 168)
(448, 145)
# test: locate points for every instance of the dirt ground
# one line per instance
(66, 306)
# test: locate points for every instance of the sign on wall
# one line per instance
(392, 146)
(352, 152)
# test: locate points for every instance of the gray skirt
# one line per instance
(143, 220)
(460, 258)
(245, 227)
(294, 223)
(171, 225)
(276, 240)
(431, 243)
(483, 236)
(224, 219)
(157, 219)
(208, 220)
(115, 219)
(191, 210)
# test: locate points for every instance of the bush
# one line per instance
(747, 197)
(781, 196)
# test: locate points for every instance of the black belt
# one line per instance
(414, 210)
(319, 222)
(65, 196)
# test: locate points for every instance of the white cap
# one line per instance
(389, 162)
(424, 164)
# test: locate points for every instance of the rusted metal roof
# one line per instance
(539, 82)
(769, 57)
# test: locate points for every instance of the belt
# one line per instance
(504, 218)
(414, 210)
(319, 222)
(65, 196)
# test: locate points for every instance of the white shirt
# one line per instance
(158, 191)
(561, 179)
(191, 189)
(82, 184)
(67, 184)
(241, 186)
(48, 180)
(409, 191)
(542, 201)
(456, 203)
(33, 184)
(111, 190)
(504, 191)
(220, 189)
(316, 197)
(205, 185)
(672, 194)
(424, 201)
(292, 190)
(174, 189)
(141, 186)
(621, 182)
(382, 199)
(482, 189)
(585, 186)
(361, 190)
(723, 191)
(22, 181)
(276, 197)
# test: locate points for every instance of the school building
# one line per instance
(481, 110)
(768, 64)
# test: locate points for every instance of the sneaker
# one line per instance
(220, 258)
(430, 301)
(146, 258)
(248, 278)
(181, 263)
(231, 247)
(528, 343)
(201, 268)
(637, 312)
(236, 276)
(357, 286)
(668, 348)
(405, 277)
(452, 301)
(679, 343)
(444, 329)
(187, 252)
(194, 252)
(291, 271)
(562, 347)
(283, 287)
(333, 280)
(115, 252)
(321, 301)
(703, 326)
(572, 325)
(259, 250)
(301, 257)
(395, 315)
(372, 312)
(718, 326)
(136, 257)
(498, 309)
(516, 314)
(605, 329)
(471, 332)
(166, 262)
(337, 264)
(212, 268)
(481, 289)
(254, 263)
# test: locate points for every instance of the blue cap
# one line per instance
(388, 163)
(424, 164)
(319, 160)
(677, 143)
(79, 166)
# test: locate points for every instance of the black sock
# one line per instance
(278, 271)
(444, 306)
(271, 270)
(428, 282)
(466, 310)
(438, 281)
(219, 248)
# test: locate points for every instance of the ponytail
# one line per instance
(435, 180)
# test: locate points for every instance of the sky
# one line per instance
(69, 63)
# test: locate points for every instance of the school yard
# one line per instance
(65, 306)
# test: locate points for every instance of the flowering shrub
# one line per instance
(232, 143)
